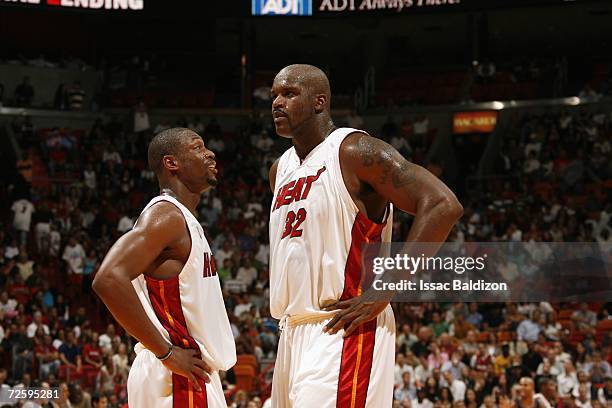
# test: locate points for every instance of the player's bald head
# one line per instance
(310, 77)
(167, 142)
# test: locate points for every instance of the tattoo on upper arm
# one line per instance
(403, 175)
(373, 151)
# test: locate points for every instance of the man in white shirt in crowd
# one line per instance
(36, 323)
(456, 385)
(400, 368)
(567, 380)
(105, 341)
(74, 255)
(22, 218)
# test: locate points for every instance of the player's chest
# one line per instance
(303, 196)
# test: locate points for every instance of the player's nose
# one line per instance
(277, 102)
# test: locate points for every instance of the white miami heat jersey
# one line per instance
(317, 232)
(188, 310)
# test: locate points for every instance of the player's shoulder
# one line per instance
(358, 143)
(162, 216)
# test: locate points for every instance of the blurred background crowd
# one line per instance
(74, 133)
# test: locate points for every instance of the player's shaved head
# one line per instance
(310, 77)
(167, 142)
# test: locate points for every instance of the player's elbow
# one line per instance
(449, 207)
(103, 283)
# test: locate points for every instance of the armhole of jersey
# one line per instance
(282, 163)
(171, 201)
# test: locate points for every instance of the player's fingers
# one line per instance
(347, 317)
(353, 326)
(202, 364)
(329, 327)
(201, 373)
(194, 381)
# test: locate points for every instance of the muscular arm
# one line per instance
(375, 173)
(158, 228)
(376, 164)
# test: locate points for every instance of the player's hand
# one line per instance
(186, 362)
(353, 313)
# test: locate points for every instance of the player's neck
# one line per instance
(182, 195)
(308, 138)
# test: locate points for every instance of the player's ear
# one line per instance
(170, 162)
(320, 102)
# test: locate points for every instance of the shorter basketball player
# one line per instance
(160, 282)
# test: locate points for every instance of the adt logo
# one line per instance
(281, 7)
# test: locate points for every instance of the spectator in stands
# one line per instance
(24, 93)
(604, 394)
(78, 397)
(89, 177)
(421, 400)
(36, 324)
(74, 255)
(107, 338)
(76, 96)
(460, 326)
(121, 361)
(24, 266)
(598, 365)
(141, 117)
(111, 157)
(22, 348)
(583, 400)
(584, 318)
(106, 376)
(529, 329)
(8, 305)
(405, 391)
(99, 401)
(47, 357)
(22, 218)
(70, 353)
(567, 380)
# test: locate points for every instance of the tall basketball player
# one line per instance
(334, 191)
(160, 282)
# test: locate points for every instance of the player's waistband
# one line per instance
(290, 321)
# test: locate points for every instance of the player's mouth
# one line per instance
(278, 115)
(212, 166)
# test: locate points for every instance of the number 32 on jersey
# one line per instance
(293, 222)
